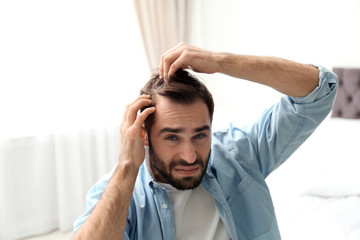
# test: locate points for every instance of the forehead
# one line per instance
(171, 114)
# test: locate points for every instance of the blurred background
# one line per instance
(68, 69)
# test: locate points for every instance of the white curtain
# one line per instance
(44, 179)
(163, 24)
(67, 70)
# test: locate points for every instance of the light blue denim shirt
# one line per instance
(240, 161)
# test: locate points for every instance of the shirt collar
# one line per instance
(149, 175)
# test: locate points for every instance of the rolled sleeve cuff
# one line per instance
(327, 84)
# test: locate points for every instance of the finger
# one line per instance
(134, 109)
(173, 61)
(143, 115)
(171, 50)
(162, 61)
(166, 61)
(180, 62)
(168, 57)
(130, 105)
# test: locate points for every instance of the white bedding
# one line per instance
(315, 218)
(316, 192)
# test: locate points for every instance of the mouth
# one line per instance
(187, 171)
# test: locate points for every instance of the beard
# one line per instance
(182, 183)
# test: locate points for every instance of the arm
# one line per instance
(108, 219)
(288, 77)
(284, 127)
(281, 129)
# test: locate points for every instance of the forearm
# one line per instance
(291, 78)
(108, 219)
(288, 77)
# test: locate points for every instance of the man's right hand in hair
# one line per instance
(108, 219)
(132, 129)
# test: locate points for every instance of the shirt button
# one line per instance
(165, 206)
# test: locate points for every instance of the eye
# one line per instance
(200, 136)
(171, 138)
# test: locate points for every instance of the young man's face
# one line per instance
(180, 143)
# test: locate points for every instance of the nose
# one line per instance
(188, 153)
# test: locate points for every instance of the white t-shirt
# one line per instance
(195, 215)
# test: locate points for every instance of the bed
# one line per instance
(316, 193)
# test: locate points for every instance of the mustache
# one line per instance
(182, 162)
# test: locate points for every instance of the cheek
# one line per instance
(164, 153)
(203, 149)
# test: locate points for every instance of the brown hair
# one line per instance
(182, 87)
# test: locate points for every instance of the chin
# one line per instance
(186, 183)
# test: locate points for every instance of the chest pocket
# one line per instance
(252, 208)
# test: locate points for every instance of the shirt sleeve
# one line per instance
(92, 198)
(285, 126)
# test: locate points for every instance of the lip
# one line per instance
(187, 171)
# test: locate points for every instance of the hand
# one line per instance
(188, 57)
(131, 140)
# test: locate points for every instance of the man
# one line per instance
(194, 184)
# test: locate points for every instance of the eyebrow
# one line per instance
(179, 130)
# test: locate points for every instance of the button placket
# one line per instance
(163, 205)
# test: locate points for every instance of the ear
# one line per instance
(144, 136)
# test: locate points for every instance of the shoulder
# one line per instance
(232, 139)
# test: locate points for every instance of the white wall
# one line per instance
(324, 32)
(67, 64)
